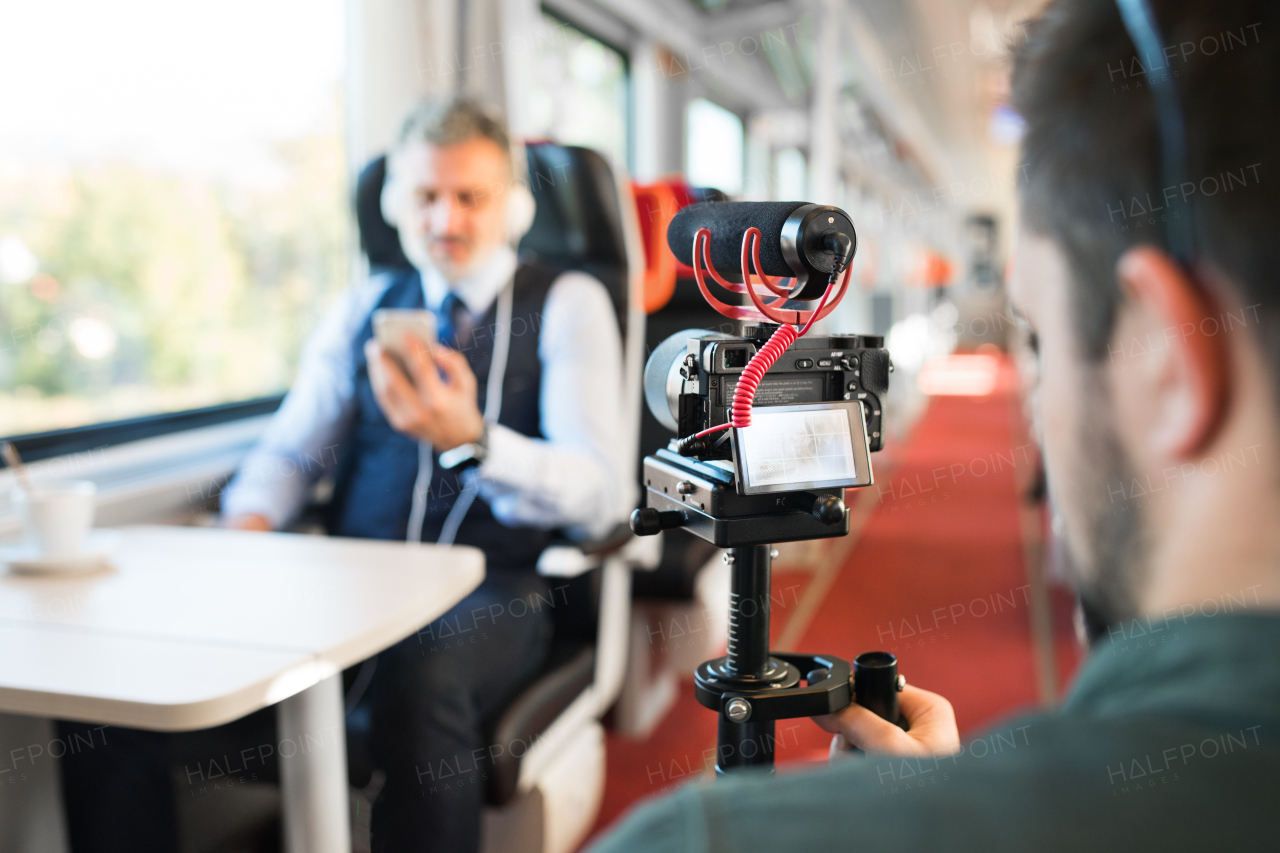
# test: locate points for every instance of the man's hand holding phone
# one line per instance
(435, 401)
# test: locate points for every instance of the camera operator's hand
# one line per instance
(931, 718)
(436, 402)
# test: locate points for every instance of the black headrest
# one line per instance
(378, 238)
(579, 220)
(578, 224)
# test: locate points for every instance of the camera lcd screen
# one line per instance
(812, 446)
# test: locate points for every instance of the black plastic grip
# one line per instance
(875, 685)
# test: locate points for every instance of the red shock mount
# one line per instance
(792, 324)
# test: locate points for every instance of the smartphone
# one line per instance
(390, 325)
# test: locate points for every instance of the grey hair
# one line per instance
(453, 122)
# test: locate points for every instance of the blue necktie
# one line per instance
(454, 321)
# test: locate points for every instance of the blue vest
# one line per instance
(373, 495)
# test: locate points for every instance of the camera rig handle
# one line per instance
(876, 685)
(751, 688)
(830, 686)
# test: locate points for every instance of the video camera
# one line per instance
(771, 428)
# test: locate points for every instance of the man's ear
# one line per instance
(1198, 368)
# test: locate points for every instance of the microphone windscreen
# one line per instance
(728, 221)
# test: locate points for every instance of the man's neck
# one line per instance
(1211, 522)
(478, 288)
(1217, 555)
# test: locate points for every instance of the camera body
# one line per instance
(697, 386)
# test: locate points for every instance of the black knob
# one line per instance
(829, 510)
(647, 521)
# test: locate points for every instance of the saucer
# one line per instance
(26, 559)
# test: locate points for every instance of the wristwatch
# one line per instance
(466, 456)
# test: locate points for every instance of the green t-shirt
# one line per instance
(1169, 740)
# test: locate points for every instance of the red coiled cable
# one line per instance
(744, 394)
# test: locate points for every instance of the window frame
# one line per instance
(623, 51)
(37, 446)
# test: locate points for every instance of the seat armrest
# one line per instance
(616, 538)
(531, 714)
(568, 559)
(565, 561)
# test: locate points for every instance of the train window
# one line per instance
(789, 171)
(172, 202)
(579, 95)
(714, 146)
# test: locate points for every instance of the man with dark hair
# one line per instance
(1158, 361)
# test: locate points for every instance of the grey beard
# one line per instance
(417, 253)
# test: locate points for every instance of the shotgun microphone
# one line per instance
(797, 239)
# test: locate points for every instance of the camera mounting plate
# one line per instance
(706, 495)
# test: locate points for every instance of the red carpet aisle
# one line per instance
(937, 576)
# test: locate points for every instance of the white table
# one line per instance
(195, 627)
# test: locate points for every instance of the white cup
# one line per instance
(58, 515)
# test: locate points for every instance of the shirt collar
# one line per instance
(1220, 654)
(478, 290)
